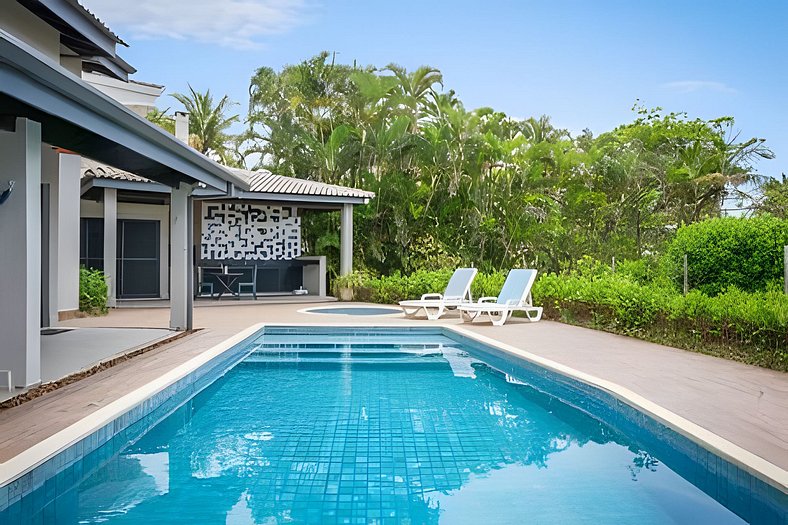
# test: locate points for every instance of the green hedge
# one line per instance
(92, 291)
(741, 252)
(397, 287)
(745, 326)
(751, 327)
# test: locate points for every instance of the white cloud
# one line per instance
(693, 86)
(239, 24)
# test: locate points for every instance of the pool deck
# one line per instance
(746, 405)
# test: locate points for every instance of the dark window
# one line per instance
(138, 258)
(91, 243)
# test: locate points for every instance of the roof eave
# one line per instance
(22, 59)
(100, 182)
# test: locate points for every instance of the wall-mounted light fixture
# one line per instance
(7, 193)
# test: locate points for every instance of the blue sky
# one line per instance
(583, 63)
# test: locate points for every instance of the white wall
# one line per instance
(140, 98)
(157, 212)
(20, 256)
(30, 29)
(68, 238)
(50, 177)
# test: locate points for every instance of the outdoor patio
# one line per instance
(65, 352)
(743, 404)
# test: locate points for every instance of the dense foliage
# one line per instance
(92, 291)
(722, 252)
(479, 185)
(745, 326)
(458, 187)
(774, 197)
(208, 124)
(749, 327)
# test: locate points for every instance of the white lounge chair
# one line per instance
(457, 292)
(515, 295)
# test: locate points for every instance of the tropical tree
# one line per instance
(480, 185)
(774, 198)
(208, 124)
(161, 118)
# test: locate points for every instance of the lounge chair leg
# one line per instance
(433, 316)
(468, 317)
(501, 320)
(537, 311)
(410, 312)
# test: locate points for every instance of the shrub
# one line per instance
(746, 253)
(746, 326)
(92, 291)
(642, 271)
(396, 287)
(487, 284)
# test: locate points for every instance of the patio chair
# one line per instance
(249, 284)
(515, 296)
(202, 283)
(457, 292)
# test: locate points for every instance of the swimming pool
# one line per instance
(355, 425)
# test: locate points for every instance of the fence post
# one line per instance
(614, 263)
(686, 281)
(785, 269)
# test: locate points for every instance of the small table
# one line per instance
(226, 280)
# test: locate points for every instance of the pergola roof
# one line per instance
(263, 181)
(263, 185)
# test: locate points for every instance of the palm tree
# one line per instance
(415, 89)
(161, 118)
(208, 122)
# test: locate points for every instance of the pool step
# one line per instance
(460, 362)
(361, 346)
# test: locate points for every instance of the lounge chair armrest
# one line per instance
(488, 299)
(427, 296)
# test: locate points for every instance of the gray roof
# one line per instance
(93, 169)
(263, 181)
(97, 22)
(262, 185)
(77, 117)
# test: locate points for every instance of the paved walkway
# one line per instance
(743, 404)
(71, 351)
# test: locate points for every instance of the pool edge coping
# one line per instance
(32, 457)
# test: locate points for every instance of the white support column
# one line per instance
(346, 240)
(49, 231)
(68, 234)
(180, 258)
(20, 259)
(111, 244)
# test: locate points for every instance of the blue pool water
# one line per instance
(343, 427)
(356, 310)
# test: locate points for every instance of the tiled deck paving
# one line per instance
(743, 404)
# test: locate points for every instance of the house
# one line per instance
(51, 119)
(256, 232)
